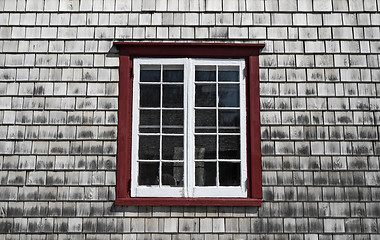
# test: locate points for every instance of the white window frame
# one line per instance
(189, 189)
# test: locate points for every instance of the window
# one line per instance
(188, 134)
(189, 130)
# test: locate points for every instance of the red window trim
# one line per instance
(130, 50)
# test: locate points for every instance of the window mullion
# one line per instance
(189, 82)
(217, 125)
(161, 143)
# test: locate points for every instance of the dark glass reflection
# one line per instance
(173, 96)
(172, 121)
(148, 173)
(209, 76)
(205, 95)
(149, 147)
(229, 147)
(150, 75)
(229, 120)
(228, 76)
(205, 120)
(172, 147)
(150, 95)
(173, 75)
(229, 174)
(172, 174)
(149, 121)
(205, 147)
(205, 173)
(228, 95)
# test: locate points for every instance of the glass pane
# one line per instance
(228, 95)
(172, 121)
(205, 147)
(150, 73)
(172, 147)
(205, 120)
(229, 174)
(150, 95)
(172, 174)
(229, 147)
(148, 173)
(173, 96)
(173, 73)
(205, 173)
(228, 74)
(149, 147)
(229, 121)
(149, 121)
(205, 95)
(205, 73)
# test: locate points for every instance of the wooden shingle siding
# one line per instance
(320, 113)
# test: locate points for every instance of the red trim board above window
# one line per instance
(130, 51)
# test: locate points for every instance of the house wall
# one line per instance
(319, 88)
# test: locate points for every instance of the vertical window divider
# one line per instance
(161, 112)
(217, 123)
(185, 128)
(189, 118)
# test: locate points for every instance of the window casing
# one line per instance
(131, 190)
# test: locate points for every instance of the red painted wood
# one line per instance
(176, 44)
(189, 202)
(247, 123)
(124, 136)
(254, 128)
(197, 50)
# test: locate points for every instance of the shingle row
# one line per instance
(190, 5)
(338, 20)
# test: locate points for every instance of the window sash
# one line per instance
(154, 191)
(189, 189)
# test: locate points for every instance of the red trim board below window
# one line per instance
(130, 50)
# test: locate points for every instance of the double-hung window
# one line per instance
(188, 125)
